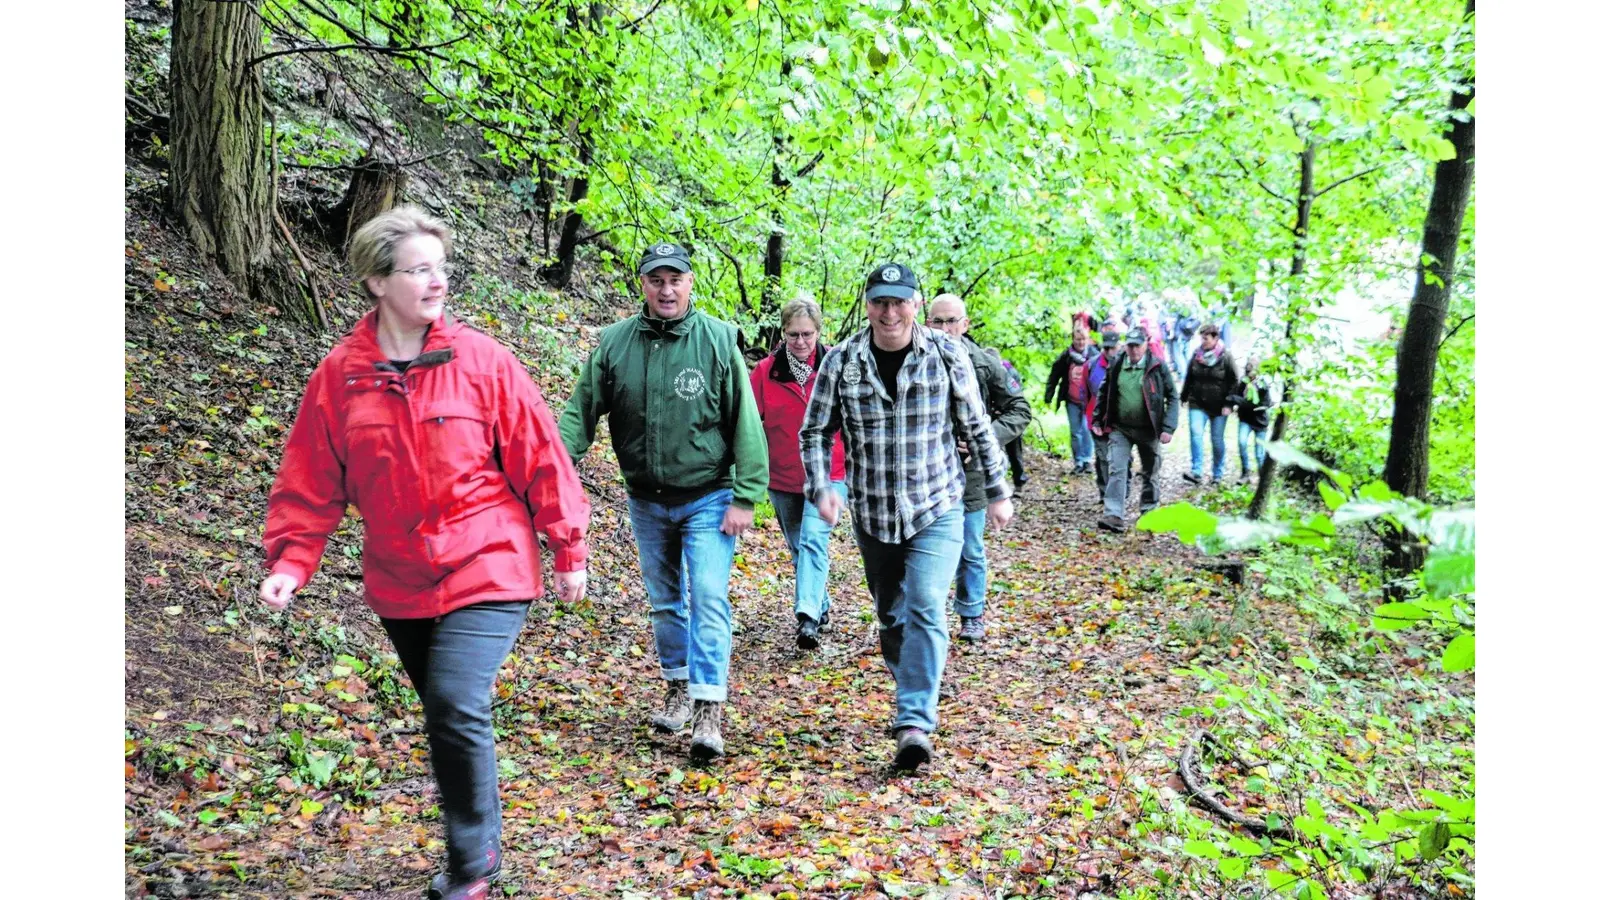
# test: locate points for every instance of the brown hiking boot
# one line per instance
(675, 712)
(707, 742)
(1112, 523)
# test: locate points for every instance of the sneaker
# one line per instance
(676, 710)
(443, 887)
(912, 748)
(806, 637)
(1112, 523)
(826, 625)
(707, 742)
(971, 628)
(1191, 477)
(1082, 469)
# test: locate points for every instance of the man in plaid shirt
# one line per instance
(904, 393)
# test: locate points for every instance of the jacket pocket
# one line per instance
(454, 444)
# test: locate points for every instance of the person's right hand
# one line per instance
(961, 448)
(828, 507)
(1166, 437)
(278, 589)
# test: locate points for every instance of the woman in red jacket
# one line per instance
(435, 432)
(782, 385)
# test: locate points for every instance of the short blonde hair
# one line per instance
(372, 246)
(800, 306)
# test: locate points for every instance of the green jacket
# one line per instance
(678, 401)
(1009, 414)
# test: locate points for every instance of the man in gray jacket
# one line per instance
(1009, 414)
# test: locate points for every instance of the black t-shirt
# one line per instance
(889, 363)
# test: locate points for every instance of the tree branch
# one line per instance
(1456, 329)
(1330, 187)
(1186, 772)
(351, 168)
(372, 48)
(634, 25)
(992, 267)
(1261, 184)
(806, 169)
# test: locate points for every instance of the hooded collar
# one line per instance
(436, 347)
(660, 327)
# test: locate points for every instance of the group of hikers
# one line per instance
(437, 434)
(1123, 395)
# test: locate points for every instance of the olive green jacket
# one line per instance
(678, 401)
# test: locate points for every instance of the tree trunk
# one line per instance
(1406, 468)
(559, 273)
(375, 186)
(1297, 269)
(220, 173)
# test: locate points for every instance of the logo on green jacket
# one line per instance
(689, 384)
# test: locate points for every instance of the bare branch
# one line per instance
(1361, 174)
(371, 48)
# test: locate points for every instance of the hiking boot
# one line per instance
(912, 748)
(443, 887)
(806, 637)
(971, 628)
(1112, 523)
(707, 742)
(675, 711)
(1081, 469)
(1191, 477)
(826, 625)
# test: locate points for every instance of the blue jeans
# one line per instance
(452, 661)
(1260, 435)
(972, 573)
(807, 536)
(1199, 423)
(1082, 440)
(685, 559)
(909, 582)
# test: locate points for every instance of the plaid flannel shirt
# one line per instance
(901, 461)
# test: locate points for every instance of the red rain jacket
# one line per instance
(782, 404)
(452, 466)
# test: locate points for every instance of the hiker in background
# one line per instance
(1085, 319)
(1069, 386)
(1210, 381)
(1138, 406)
(437, 434)
(782, 385)
(1185, 329)
(1008, 413)
(1110, 351)
(1019, 476)
(672, 384)
(904, 394)
(1252, 398)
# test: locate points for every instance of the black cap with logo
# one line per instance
(665, 253)
(892, 280)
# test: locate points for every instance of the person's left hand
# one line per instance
(737, 520)
(961, 448)
(1000, 513)
(571, 586)
(1166, 437)
(1227, 411)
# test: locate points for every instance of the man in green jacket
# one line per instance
(1137, 406)
(688, 438)
(1009, 414)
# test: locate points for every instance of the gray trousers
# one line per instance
(452, 661)
(1122, 445)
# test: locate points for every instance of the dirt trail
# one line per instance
(1042, 726)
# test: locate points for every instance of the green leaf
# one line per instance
(1202, 849)
(1446, 574)
(208, 816)
(1187, 520)
(1233, 867)
(1461, 654)
(1434, 839)
(1333, 498)
(1277, 879)
(309, 808)
(321, 767)
(1395, 616)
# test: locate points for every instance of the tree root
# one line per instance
(1211, 803)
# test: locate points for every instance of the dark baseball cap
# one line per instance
(665, 253)
(1110, 337)
(1136, 336)
(892, 280)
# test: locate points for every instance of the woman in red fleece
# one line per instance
(435, 432)
(782, 386)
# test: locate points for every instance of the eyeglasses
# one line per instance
(425, 273)
(799, 335)
(951, 320)
(889, 301)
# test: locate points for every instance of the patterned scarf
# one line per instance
(801, 370)
(1079, 357)
(1210, 359)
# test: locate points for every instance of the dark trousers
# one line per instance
(1014, 454)
(452, 661)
